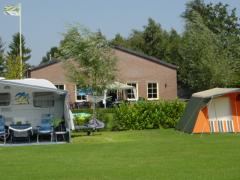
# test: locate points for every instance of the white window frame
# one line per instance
(50, 99)
(76, 100)
(64, 86)
(133, 82)
(157, 90)
(6, 101)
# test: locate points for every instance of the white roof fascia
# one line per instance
(19, 84)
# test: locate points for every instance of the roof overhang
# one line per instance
(43, 85)
(144, 56)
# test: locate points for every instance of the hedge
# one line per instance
(148, 115)
(98, 110)
(140, 115)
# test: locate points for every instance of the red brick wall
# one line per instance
(135, 69)
(130, 69)
(57, 75)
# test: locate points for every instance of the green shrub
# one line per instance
(85, 110)
(107, 118)
(81, 120)
(57, 122)
(148, 115)
(90, 111)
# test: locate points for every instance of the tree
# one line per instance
(217, 17)
(204, 65)
(89, 59)
(224, 24)
(173, 45)
(136, 41)
(155, 39)
(13, 68)
(220, 20)
(53, 53)
(118, 40)
(2, 60)
(14, 48)
(14, 53)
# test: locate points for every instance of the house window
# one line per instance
(81, 97)
(130, 92)
(43, 99)
(81, 94)
(152, 91)
(60, 86)
(4, 99)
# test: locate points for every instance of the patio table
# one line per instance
(63, 133)
(20, 131)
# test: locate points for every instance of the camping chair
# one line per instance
(2, 129)
(92, 126)
(46, 127)
(96, 124)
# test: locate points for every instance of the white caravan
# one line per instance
(27, 100)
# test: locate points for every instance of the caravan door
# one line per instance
(220, 115)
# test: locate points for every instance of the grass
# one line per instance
(148, 154)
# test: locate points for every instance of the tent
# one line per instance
(213, 110)
(27, 100)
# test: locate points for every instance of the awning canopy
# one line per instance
(119, 86)
(96, 99)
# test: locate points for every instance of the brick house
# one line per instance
(153, 78)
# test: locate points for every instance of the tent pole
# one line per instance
(237, 116)
(208, 116)
(208, 119)
(117, 95)
(216, 119)
(203, 128)
(105, 99)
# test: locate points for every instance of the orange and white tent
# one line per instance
(213, 110)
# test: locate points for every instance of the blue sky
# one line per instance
(44, 21)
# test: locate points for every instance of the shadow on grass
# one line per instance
(84, 134)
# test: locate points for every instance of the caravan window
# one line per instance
(4, 99)
(43, 99)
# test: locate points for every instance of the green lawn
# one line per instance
(148, 154)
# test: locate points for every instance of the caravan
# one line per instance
(27, 101)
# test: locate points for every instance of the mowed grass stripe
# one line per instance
(147, 154)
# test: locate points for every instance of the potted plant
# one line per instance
(57, 124)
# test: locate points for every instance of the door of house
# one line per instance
(220, 115)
